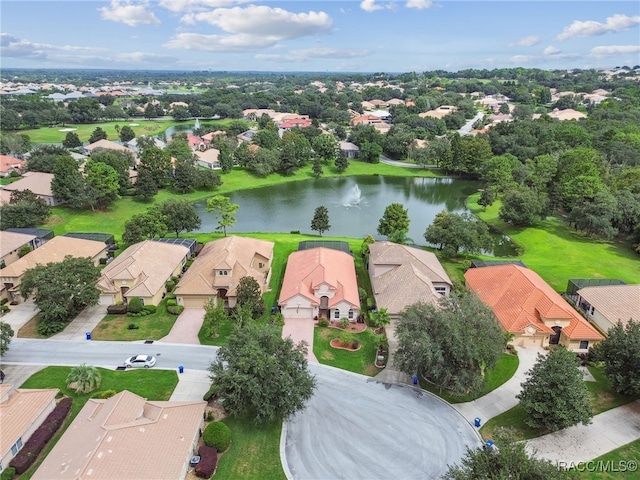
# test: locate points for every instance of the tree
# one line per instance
(145, 225)
(68, 184)
(370, 152)
(180, 215)
(249, 295)
(320, 220)
(184, 175)
(317, 168)
(509, 460)
(294, 152)
(71, 140)
(224, 211)
(621, 357)
(214, 316)
(504, 109)
(61, 290)
(225, 158)
(395, 219)
(380, 318)
(127, 134)
(120, 161)
(97, 134)
(341, 163)
(6, 334)
(84, 378)
(207, 179)
(43, 159)
(468, 154)
(451, 344)
(145, 187)
(595, 216)
(24, 210)
(452, 232)
(326, 148)
(102, 184)
(158, 163)
(488, 197)
(554, 395)
(261, 374)
(523, 206)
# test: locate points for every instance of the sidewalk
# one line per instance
(504, 397)
(84, 322)
(581, 443)
(19, 315)
(390, 374)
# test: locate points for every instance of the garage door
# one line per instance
(193, 302)
(297, 312)
(106, 300)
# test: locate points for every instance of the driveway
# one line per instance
(467, 127)
(300, 329)
(19, 315)
(186, 328)
(390, 374)
(357, 428)
(85, 321)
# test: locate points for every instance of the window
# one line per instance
(336, 314)
(591, 310)
(350, 313)
(260, 265)
(16, 447)
(584, 344)
(223, 272)
(441, 290)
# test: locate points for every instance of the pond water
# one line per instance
(355, 206)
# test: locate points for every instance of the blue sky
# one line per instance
(333, 36)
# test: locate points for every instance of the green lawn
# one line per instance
(150, 384)
(503, 371)
(558, 253)
(360, 361)
(602, 398)
(254, 451)
(616, 459)
(150, 327)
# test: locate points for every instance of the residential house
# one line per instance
(402, 276)
(55, 250)
(208, 158)
(126, 436)
(22, 411)
(9, 164)
(220, 265)
(106, 145)
(349, 150)
(142, 270)
(529, 309)
(440, 112)
(365, 120)
(11, 243)
(605, 305)
(38, 182)
(320, 282)
(133, 144)
(295, 122)
(245, 137)
(567, 114)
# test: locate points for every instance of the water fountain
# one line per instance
(197, 125)
(353, 198)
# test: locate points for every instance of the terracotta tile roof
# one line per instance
(150, 264)
(10, 241)
(38, 182)
(124, 437)
(408, 278)
(19, 407)
(614, 302)
(520, 298)
(308, 269)
(9, 163)
(230, 253)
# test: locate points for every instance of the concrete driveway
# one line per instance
(300, 329)
(19, 315)
(357, 428)
(85, 321)
(186, 328)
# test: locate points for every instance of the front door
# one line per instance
(323, 311)
(555, 338)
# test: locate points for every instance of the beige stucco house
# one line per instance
(605, 305)
(142, 270)
(38, 182)
(218, 268)
(126, 436)
(320, 282)
(22, 411)
(11, 242)
(402, 276)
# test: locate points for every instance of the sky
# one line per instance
(318, 36)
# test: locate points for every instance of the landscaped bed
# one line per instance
(359, 361)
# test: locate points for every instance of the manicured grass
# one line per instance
(615, 459)
(30, 329)
(150, 327)
(503, 371)
(150, 384)
(602, 398)
(558, 253)
(359, 361)
(254, 451)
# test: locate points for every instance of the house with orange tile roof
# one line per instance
(9, 164)
(22, 411)
(365, 120)
(320, 282)
(295, 122)
(402, 276)
(126, 436)
(605, 305)
(218, 268)
(529, 309)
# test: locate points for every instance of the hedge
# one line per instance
(150, 309)
(217, 435)
(175, 309)
(117, 309)
(8, 473)
(208, 461)
(36, 443)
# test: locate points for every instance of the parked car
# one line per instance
(146, 361)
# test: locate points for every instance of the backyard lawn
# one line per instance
(152, 385)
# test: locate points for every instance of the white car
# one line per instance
(146, 361)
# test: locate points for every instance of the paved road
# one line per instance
(357, 428)
(467, 127)
(396, 163)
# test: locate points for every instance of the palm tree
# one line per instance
(84, 378)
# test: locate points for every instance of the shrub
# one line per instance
(344, 322)
(172, 302)
(103, 261)
(210, 393)
(50, 328)
(105, 394)
(355, 344)
(135, 305)
(208, 462)
(170, 285)
(5, 308)
(150, 309)
(36, 443)
(217, 435)
(171, 296)
(295, 232)
(8, 473)
(323, 322)
(117, 309)
(133, 326)
(175, 309)
(3, 301)
(209, 416)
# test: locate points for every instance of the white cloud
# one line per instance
(15, 47)
(178, 6)
(129, 14)
(590, 28)
(608, 50)
(141, 57)
(370, 6)
(419, 4)
(220, 43)
(529, 41)
(302, 55)
(551, 50)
